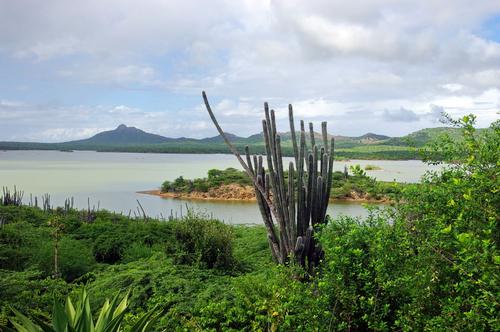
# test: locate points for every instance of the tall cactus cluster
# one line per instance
(291, 204)
(11, 198)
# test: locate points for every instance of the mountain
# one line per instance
(131, 139)
(371, 137)
(122, 135)
(219, 139)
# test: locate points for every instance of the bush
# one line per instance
(28, 290)
(361, 275)
(74, 258)
(30, 215)
(201, 185)
(108, 248)
(372, 167)
(271, 301)
(18, 242)
(137, 251)
(431, 264)
(207, 243)
(230, 175)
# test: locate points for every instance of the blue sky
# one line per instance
(71, 69)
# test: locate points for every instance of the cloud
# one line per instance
(433, 115)
(367, 66)
(126, 75)
(400, 115)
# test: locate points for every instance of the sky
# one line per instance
(70, 69)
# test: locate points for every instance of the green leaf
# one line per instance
(23, 323)
(59, 317)
(70, 312)
(446, 230)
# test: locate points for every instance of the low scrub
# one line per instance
(205, 242)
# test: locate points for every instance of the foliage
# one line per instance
(74, 258)
(18, 243)
(111, 238)
(207, 243)
(78, 317)
(273, 301)
(29, 291)
(215, 179)
(354, 186)
(434, 265)
(361, 185)
(357, 170)
(372, 167)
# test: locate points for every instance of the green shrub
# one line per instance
(228, 176)
(360, 278)
(111, 239)
(137, 250)
(356, 170)
(431, 264)
(74, 258)
(202, 241)
(372, 167)
(166, 187)
(201, 185)
(274, 300)
(108, 248)
(28, 290)
(18, 242)
(30, 215)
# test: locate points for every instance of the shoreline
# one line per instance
(202, 196)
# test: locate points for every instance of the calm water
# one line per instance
(112, 180)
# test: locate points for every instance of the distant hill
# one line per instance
(122, 135)
(421, 137)
(371, 137)
(219, 139)
(131, 139)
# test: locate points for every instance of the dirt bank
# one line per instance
(234, 192)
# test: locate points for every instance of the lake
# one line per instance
(111, 180)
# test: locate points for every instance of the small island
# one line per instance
(234, 185)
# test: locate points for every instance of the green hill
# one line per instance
(122, 135)
(131, 139)
(421, 137)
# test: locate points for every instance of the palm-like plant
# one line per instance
(78, 318)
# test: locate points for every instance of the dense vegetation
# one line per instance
(354, 185)
(215, 179)
(374, 152)
(431, 262)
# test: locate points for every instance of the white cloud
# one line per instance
(358, 65)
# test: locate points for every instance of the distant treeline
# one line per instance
(374, 152)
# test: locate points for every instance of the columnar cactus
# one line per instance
(11, 198)
(290, 207)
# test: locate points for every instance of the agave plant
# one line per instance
(78, 318)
